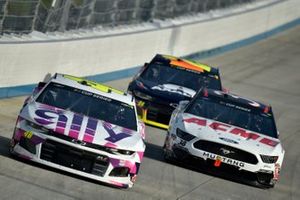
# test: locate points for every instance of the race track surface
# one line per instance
(268, 71)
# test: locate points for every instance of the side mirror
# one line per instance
(38, 88)
(182, 104)
(41, 84)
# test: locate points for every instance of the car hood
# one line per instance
(207, 129)
(82, 128)
(169, 91)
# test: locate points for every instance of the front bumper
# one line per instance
(184, 152)
(116, 170)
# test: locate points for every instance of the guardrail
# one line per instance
(116, 56)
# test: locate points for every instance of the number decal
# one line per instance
(28, 134)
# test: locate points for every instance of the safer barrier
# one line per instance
(106, 58)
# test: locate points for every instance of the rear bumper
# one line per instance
(154, 114)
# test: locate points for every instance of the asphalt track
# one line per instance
(268, 71)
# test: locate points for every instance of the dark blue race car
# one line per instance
(166, 80)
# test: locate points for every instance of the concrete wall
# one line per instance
(24, 64)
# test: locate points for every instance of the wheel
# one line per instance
(265, 180)
(168, 156)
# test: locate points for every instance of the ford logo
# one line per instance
(226, 151)
(228, 140)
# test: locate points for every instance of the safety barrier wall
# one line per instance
(106, 58)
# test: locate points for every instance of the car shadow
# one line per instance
(4, 146)
(154, 152)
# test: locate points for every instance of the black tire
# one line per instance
(11, 150)
(168, 156)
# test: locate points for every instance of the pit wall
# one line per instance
(105, 58)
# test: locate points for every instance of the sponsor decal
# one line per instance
(249, 101)
(277, 171)
(76, 126)
(102, 158)
(228, 140)
(113, 136)
(233, 130)
(221, 159)
(178, 90)
(141, 103)
(201, 122)
(47, 117)
(28, 134)
(90, 130)
(218, 161)
(267, 166)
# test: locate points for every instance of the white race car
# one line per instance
(81, 127)
(227, 132)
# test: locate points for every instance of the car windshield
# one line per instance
(163, 74)
(255, 121)
(89, 104)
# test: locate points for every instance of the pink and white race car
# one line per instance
(81, 127)
(229, 133)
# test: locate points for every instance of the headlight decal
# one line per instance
(18, 134)
(277, 171)
(184, 135)
(269, 159)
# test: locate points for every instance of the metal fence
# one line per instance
(24, 16)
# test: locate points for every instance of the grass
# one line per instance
(21, 8)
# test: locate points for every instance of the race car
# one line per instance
(166, 80)
(226, 132)
(82, 127)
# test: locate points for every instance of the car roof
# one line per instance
(94, 87)
(236, 101)
(184, 63)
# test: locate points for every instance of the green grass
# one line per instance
(77, 2)
(21, 8)
(47, 3)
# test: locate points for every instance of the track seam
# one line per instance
(192, 190)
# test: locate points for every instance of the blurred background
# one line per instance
(25, 16)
